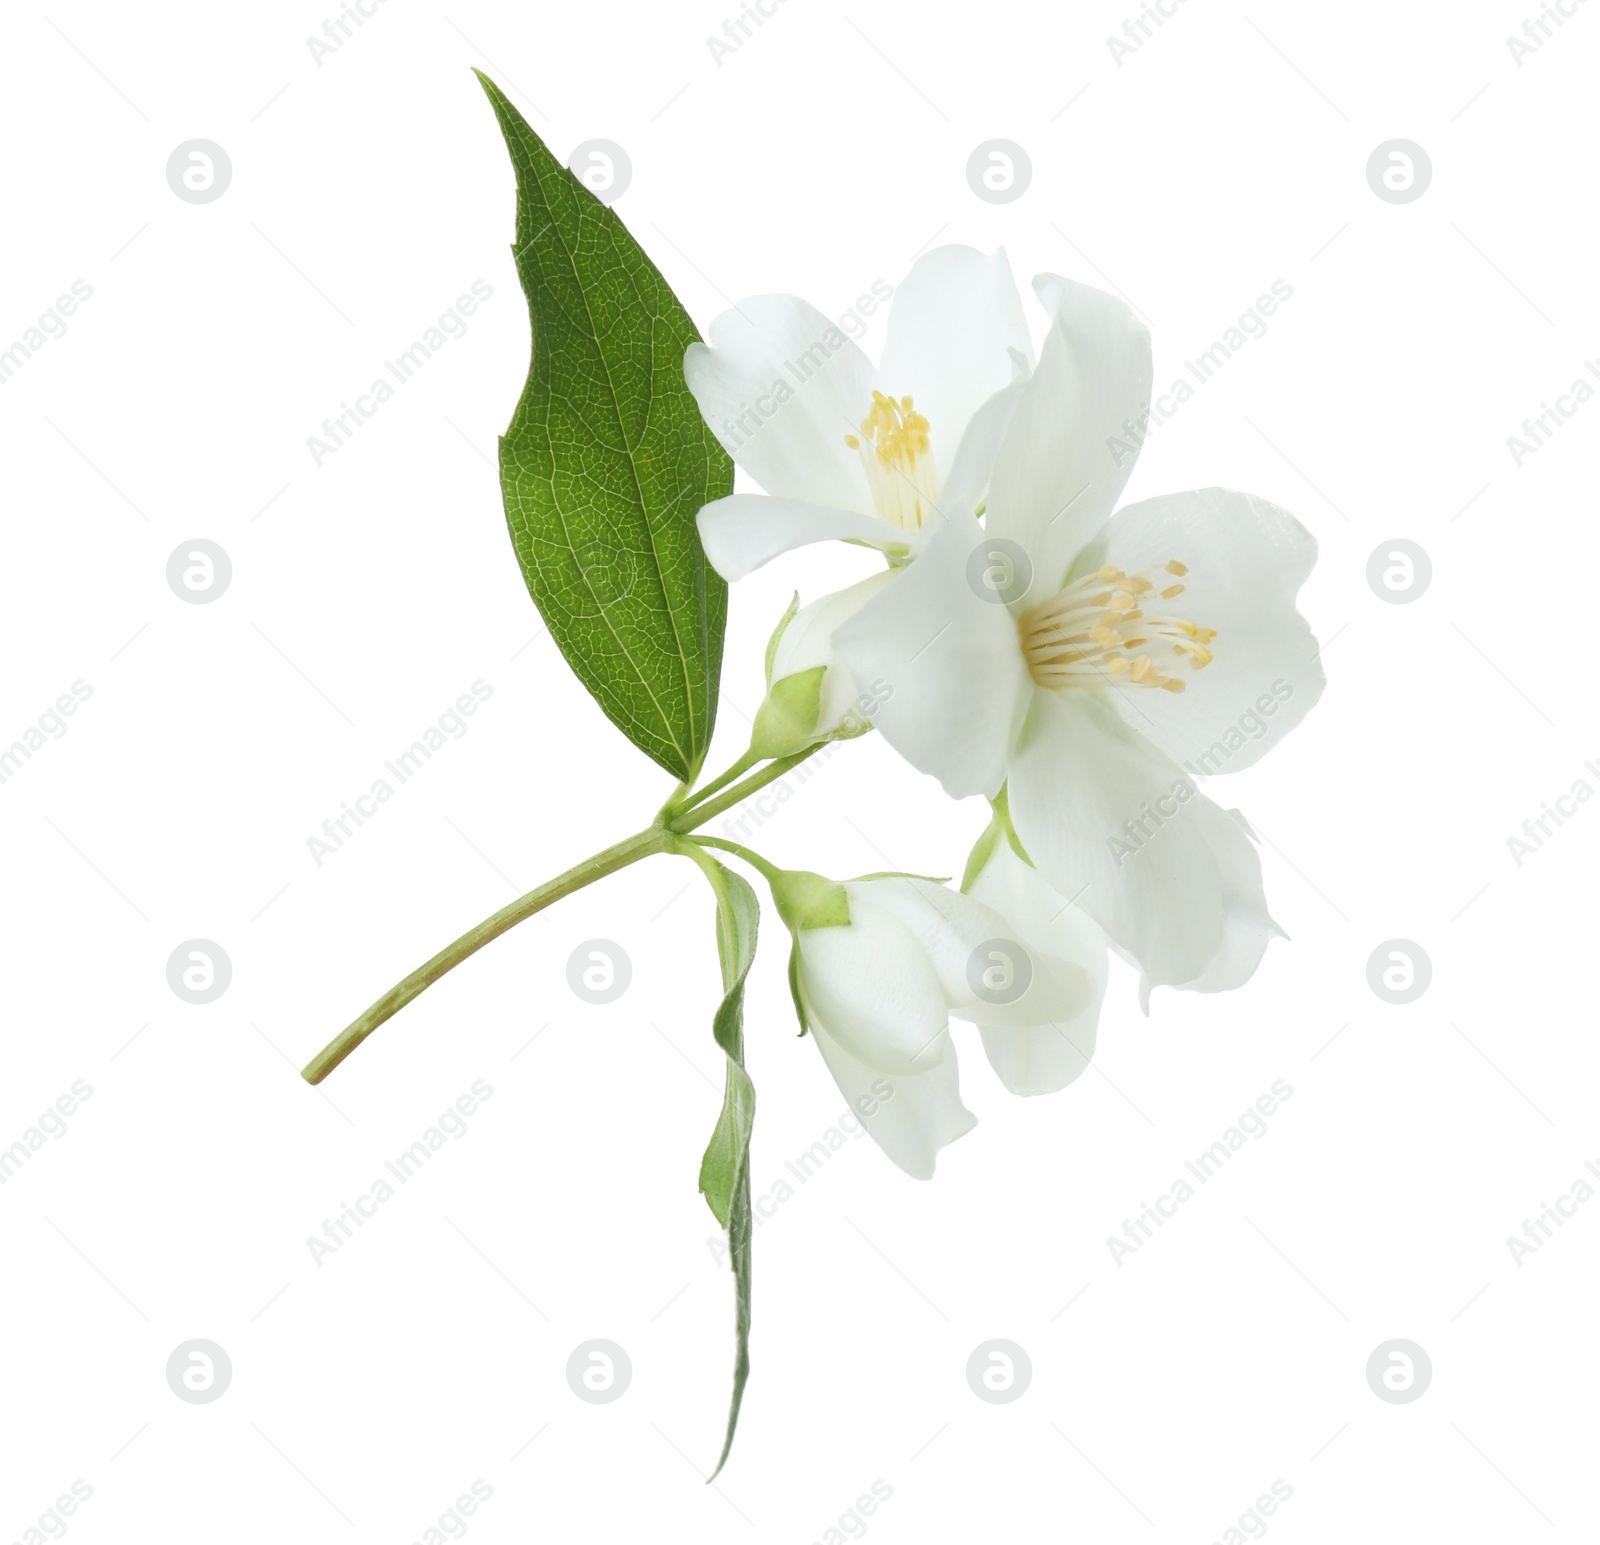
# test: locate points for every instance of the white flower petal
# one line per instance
(808, 642)
(1117, 827)
(961, 936)
(952, 326)
(966, 484)
(1246, 560)
(870, 985)
(1247, 927)
(1042, 1058)
(744, 531)
(919, 1114)
(780, 387)
(944, 664)
(1060, 471)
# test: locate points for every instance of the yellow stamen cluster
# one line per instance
(1097, 633)
(898, 456)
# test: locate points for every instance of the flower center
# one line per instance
(895, 451)
(1096, 633)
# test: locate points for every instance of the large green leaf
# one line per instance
(607, 461)
(725, 1169)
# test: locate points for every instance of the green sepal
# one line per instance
(807, 900)
(777, 636)
(794, 987)
(786, 722)
(982, 852)
(983, 849)
(1001, 805)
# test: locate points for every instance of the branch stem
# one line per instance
(768, 872)
(697, 815)
(662, 837)
(688, 801)
(653, 839)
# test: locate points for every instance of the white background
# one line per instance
(1169, 1392)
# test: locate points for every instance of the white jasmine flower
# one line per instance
(847, 451)
(879, 967)
(1119, 662)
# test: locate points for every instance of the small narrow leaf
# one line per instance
(607, 462)
(725, 1169)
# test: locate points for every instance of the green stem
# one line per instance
(697, 815)
(768, 872)
(662, 837)
(655, 839)
(680, 797)
(682, 802)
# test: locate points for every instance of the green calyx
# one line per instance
(786, 722)
(777, 634)
(983, 849)
(982, 852)
(805, 900)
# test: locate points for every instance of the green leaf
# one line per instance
(738, 913)
(607, 462)
(725, 1169)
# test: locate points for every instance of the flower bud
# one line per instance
(879, 967)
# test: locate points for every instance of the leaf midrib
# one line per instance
(633, 469)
